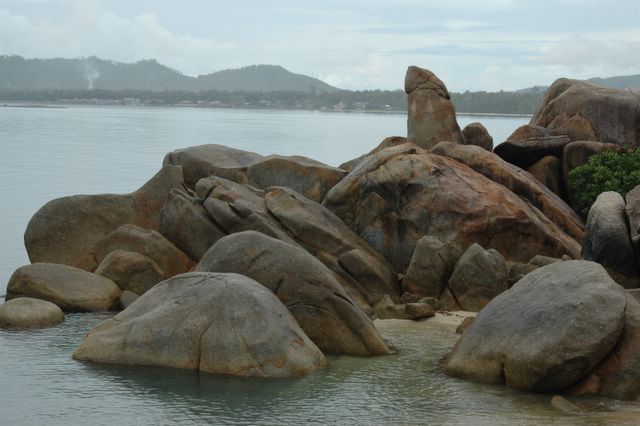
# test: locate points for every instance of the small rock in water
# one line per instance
(26, 312)
(564, 405)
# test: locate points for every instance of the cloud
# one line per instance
(580, 52)
(92, 30)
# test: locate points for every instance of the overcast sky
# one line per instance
(352, 44)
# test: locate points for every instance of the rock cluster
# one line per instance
(566, 326)
(231, 262)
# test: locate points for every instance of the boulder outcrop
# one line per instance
(147, 242)
(215, 323)
(545, 333)
(400, 194)
(614, 115)
(431, 116)
(478, 277)
(618, 376)
(26, 312)
(306, 287)
(130, 271)
(476, 134)
(309, 177)
(548, 171)
(186, 223)
(72, 289)
(526, 152)
(520, 183)
(431, 265)
(288, 216)
(64, 230)
(607, 240)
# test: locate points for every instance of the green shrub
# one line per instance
(607, 171)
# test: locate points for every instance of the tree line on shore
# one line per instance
(503, 102)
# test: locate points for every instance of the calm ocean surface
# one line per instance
(47, 153)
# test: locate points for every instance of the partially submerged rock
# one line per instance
(431, 117)
(72, 289)
(64, 230)
(545, 333)
(618, 375)
(26, 312)
(215, 323)
(307, 288)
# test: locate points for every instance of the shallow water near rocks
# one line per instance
(41, 384)
(49, 153)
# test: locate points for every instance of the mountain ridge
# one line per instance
(17, 72)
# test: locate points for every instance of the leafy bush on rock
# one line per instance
(606, 171)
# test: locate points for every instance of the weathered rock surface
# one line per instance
(548, 171)
(520, 183)
(477, 134)
(212, 160)
(70, 288)
(65, 229)
(632, 209)
(26, 312)
(185, 222)
(308, 177)
(127, 298)
(545, 333)
(618, 376)
(479, 276)
(430, 267)
(130, 271)
(614, 115)
(306, 287)
(283, 214)
(388, 309)
(431, 116)
(326, 237)
(215, 323)
(527, 152)
(400, 194)
(147, 242)
(607, 240)
(304, 175)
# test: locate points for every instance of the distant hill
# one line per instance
(17, 72)
(619, 82)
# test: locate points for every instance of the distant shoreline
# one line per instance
(27, 104)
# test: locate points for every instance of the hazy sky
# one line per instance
(353, 44)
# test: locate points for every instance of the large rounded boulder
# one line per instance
(607, 239)
(26, 312)
(305, 285)
(70, 288)
(614, 115)
(400, 194)
(545, 333)
(215, 323)
(64, 230)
